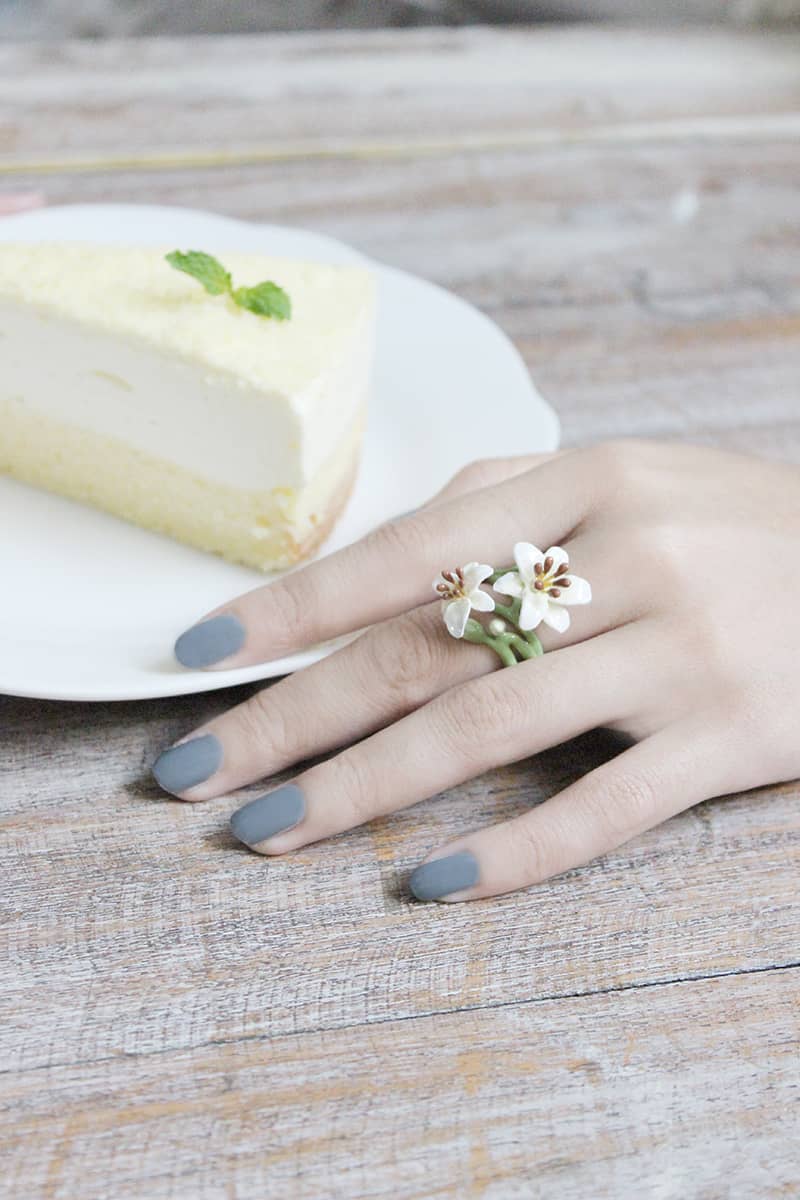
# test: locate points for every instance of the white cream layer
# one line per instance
(205, 420)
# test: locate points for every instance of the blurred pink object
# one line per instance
(14, 202)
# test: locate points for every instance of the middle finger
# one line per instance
(458, 735)
(386, 672)
(389, 671)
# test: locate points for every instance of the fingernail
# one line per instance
(210, 641)
(443, 876)
(189, 763)
(267, 815)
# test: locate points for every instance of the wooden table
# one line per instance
(182, 1019)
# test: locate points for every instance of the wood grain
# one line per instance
(179, 1018)
(302, 95)
(57, 19)
(670, 1091)
(327, 937)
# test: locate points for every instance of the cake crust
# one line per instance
(265, 530)
(127, 387)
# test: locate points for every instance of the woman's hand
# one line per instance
(691, 645)
(17, 202)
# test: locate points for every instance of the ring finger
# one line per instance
(389, 671)
(484, 723)
(387, 572)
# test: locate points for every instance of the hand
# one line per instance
(17, 202)
(691, 645)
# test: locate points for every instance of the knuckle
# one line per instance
(262, 723)
(660, 548)
(404, 658)
(532, 846)
(474, 474)
(395, 540)
(352, 779)
(479, 715)
(295, 609)
(705, 643)
(747, 713)
(767, 728)
(619, 463)
(623, 805)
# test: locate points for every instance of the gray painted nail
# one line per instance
(267, 815)
(210, 641)
(443, 876)
(190, 763)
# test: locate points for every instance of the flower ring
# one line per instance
(541, 589)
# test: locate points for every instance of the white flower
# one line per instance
(543, 583)
(460, 592)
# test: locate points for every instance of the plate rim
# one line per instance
(208, 681)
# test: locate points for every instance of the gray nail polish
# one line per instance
(190, 763)
(443, 876)
(267, 815)
(210, 641)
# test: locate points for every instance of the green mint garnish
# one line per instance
(205, 269)
(264, 299)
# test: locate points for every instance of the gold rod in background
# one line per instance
(736, 128)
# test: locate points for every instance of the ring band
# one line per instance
(540, 588)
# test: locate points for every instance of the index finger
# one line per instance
(390, 570)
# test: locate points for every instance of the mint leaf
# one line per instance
(265, 299)
(202, 267)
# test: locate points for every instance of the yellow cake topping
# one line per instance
(127, 386)
(135, 292)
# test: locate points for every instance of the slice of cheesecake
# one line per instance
(126, 385)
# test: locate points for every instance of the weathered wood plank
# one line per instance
(106, 882)
(641, 245)
(169, 96)
(54, 19)
(688, 1090)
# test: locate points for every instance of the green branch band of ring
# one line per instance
(540, 590)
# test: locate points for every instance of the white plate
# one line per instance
(90, 606)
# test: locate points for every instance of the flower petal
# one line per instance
(456, 614)
(559, 557)
(556, 617)
(481, 601)
(474, 573)
(509, 584)
(578, 592)
(526, 556)
(533, 609)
